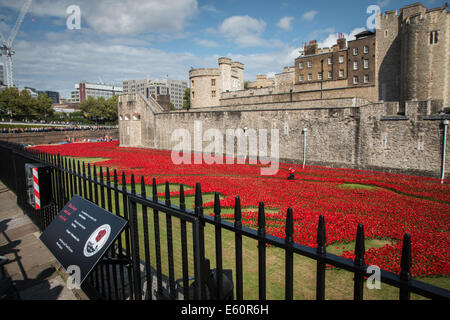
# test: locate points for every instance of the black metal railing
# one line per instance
(139, 265)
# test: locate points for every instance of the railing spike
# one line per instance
(217, 208)
(406, 261)
(167, 193)
(289, 228)
(182, 200)
(237, 212)
(360, 249)
(143, 191)
(321, 236)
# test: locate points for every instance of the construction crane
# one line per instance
(6, 45)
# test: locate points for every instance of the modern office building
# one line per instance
(83, 90)
(155, 88)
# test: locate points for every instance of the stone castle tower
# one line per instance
(207, 84)
(413, 55)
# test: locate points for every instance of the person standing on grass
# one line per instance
(291, 174)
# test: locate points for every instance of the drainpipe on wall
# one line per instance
(444, 148)
(304, 147)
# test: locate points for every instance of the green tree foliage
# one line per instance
(22, 106)
(187, 99)
(100, 109)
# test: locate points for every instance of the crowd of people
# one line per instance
(51, 129)
(101, 139)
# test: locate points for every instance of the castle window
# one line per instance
(341, 73)
(301, 65)
(213, 93)
(384, 142)
(355, 80)
(366, 78)
(127, 117)
(341, 59)
(309, 76)
(301, 78)
(366, 64)
(330, 74)
(434, 37)
(121, 117)
(355, 51)
(366, 49)
(193, 94)
(192, 84)
(213, 82)
(319, 76)
(420, 143)
(310, 64)
(355, 65)
(136, 117)
(330, 61)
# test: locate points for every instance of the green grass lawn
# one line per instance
(339, 283)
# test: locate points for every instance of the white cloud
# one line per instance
(285, 23)
(310, 15)
(331, 39)
(206, 43)
(119, 17)
(245, 31)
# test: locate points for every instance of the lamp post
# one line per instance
(444, 147)
(321, 80)
(304, 146)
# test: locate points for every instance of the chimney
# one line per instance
(311, 48)
(341, 41)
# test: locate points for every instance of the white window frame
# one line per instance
(330, 74)
(309, 64)
(355, 79)
(330, 61)
(355, 51)
(319, 76)
(341, 59)
(355, 65)
(366, 78)
(301, 78)
(341, 73)
(309, 76)
(366, 63)
(301, 66)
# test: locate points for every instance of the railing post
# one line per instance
(359, 264)
(289, 256)
(135, 243)
(321, 250)
(218, 238)
(405, 266)
(199, 245)
(238, 248)
(261, 252)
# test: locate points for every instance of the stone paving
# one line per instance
(32, 272)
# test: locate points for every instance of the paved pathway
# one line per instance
(32, 271)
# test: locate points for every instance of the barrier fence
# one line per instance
(164, 241)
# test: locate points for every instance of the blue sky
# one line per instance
(135, 39)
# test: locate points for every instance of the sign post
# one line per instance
(81, 234)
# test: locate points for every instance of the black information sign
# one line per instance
(81, 234)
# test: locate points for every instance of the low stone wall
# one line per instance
(35, 138)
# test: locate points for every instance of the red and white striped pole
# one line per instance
(37, 196)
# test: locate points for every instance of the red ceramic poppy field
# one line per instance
(389, 205)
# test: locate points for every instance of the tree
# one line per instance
(100, 109)
(187, 99)
(44, 106)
